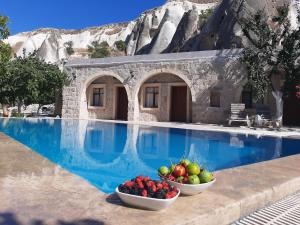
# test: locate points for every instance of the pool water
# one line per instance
(106, 154)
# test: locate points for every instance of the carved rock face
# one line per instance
(222, 30)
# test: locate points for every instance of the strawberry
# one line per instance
(159, 186)
(140, 184)
(153, 187)
(166, 188)
(144, 193)
(140, 177)
(171, 194)
(150, 183)
(129, 184)
(146, 179)
(164, 183)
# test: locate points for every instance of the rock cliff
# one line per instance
(176, 26)
(151, 32)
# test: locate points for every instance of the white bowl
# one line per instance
(192, 189)
(145, 202)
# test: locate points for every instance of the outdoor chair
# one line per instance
(238, 114)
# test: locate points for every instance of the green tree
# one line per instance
(5, 55)
(273, 51)
(121, 45)
(33, 81)
(4, 31)
(69, 47)
(99, 50)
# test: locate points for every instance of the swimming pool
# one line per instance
(106, 154)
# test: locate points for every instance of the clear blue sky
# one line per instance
(26, 15)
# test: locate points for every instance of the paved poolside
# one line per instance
(35, 191)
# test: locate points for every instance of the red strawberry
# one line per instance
(159, 186)
(146, 179)
(153, 187)
(150, 183)
(144, 193)
(171, 194)
(140, 184)
(164, 183)
(140, 177)
(129, 183)
(175, 189)
(166, 188)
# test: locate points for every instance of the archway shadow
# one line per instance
(8, 218)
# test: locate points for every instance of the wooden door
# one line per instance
(179, 104)
(291, 111)
(122, 104)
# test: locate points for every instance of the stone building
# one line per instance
(180, 87)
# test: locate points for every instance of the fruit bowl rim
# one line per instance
(210, 182)
(148, 198)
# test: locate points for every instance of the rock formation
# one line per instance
(152, 32)
(177, 26)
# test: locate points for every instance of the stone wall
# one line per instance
(201, 71)
(108, 111)
(161, 114)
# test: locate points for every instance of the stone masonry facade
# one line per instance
(202, 72)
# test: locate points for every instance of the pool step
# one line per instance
(284, 212)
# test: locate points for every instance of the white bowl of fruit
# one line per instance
(187, 176)
(141, 192)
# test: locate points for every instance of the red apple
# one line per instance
(179, 171)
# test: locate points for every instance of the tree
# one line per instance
(4, 31)
(99, 50)
(33, 81)
(121, 45)
(5, 55)
(69, 47)
(273, 51)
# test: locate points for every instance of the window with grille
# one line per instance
(151, 97)
(98, 97)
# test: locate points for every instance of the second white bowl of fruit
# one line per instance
(187, 176)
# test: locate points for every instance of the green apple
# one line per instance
(172, 167)
(205, 176)
(185, 162)
(193, 169)
(194, 179)
(163, 170)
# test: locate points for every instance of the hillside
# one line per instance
(176, 26)
(151, 32)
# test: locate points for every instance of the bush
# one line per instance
(99, 50)
(69, 47)
(203, 17)
(121, 46)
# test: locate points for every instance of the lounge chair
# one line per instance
(238, 114)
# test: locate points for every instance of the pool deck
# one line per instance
(35, 191)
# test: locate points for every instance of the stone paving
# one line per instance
(35, 191)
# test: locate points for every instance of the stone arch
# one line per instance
(83, 112)
(148, 75)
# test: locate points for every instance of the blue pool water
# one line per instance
(106, 154)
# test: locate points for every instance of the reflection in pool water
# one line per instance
(106, 154)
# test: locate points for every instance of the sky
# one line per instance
(27, 15)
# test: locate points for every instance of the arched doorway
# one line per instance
(165, 97)
(107, 99)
